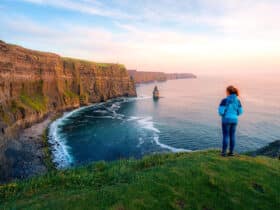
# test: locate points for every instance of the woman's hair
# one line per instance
(232, 90)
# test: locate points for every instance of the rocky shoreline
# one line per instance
(271, 150)
(26, 153)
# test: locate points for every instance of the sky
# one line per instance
(199, 36)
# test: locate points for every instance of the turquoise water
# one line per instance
(184, 119)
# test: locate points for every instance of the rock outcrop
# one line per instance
(147, 77)
(34, 84)
(271, 150)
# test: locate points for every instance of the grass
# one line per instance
(200, 180)
(71, 95)
(86, 62)
(36, 102)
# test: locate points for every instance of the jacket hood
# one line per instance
(232, 98)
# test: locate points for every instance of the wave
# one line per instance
(105, 110)
(141, 98)
(60, 150)
(148, 124)
(165, 146)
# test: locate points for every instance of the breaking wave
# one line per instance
(148, 124)
(60, 150)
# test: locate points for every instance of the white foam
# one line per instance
(60, 149)
(62, 152)
(133, 118)
(148, 124)
(172, 149)
(142, 98)
(100, 111)
(141, 141)
(103, 117)
(115, 106)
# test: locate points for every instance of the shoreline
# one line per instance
(35, 145)
(27, 152)
(31, 152)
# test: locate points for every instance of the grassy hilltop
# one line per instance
(199, 180)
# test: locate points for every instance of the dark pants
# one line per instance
(229, 130)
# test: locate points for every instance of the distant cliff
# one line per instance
(146, 77)
(179, 76)
(34, 84)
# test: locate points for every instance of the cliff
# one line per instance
(197, 180)
(146, 77)
(172, 76)
(34, 84)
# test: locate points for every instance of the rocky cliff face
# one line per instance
(34, 84)
(146, 77)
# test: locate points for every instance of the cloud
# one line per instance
(232, 17)
(83, 6)
(243, 35)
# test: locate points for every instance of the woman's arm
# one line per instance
(240, 108)
(222, 107)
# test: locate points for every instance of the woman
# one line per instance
(230, 109)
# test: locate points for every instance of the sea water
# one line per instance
(184, 119)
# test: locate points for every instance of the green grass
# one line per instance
(200, 180)
(86, 62)
(70, 94)
(36, 102)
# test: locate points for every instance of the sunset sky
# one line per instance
(199, 36)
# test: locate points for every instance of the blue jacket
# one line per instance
(230, 108)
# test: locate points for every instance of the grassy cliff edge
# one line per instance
(198, 180)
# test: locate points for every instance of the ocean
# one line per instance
(184, 119)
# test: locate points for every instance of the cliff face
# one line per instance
(146, 77)
(34, 84)
(179, 76)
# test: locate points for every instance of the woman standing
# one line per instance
(230, 109)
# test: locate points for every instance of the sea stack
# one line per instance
(156, 93)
